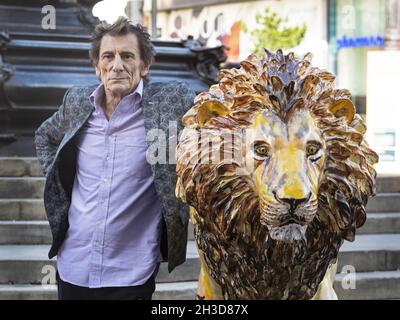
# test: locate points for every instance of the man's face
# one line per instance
(120, 66)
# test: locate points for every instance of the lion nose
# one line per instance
(293, 202)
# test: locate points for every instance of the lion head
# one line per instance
(274, 162)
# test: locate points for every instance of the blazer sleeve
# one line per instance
(187, 95)
(50, 134)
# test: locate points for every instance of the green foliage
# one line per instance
(272, 34)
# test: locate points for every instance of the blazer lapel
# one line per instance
(88, 109)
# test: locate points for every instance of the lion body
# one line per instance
(269, 222)
(267, 282)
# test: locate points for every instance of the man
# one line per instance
(113, 216)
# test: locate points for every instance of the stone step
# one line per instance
(164, 291)
(29, 166)
(22, 187)
(29, 263)
(20, 167)
(35, 232)
(38, 231)
(175, 291)
(371, 252)
(388, 184)
(25, 232)
(22, 209)
(382, 222)
(384, 202)
(33, 209)
(28, 292)
(368, 286)
(190, 231)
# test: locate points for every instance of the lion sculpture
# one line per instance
(274, 165)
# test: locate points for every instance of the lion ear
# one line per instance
(343, 108)
(210, 109)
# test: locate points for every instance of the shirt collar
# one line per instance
(132, 100)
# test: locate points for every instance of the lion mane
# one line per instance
(226, 213)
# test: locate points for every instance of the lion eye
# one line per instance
(261, 150)
(312, 149)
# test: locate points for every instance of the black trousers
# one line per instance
(68, 291)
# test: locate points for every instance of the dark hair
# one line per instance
(119, 28)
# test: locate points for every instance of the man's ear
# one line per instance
(343, 108)
(144, 71)
(98, 72)
(210, 109)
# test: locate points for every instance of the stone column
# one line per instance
(392, 25)
(134, 11)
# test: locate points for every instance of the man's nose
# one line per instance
(118, 65)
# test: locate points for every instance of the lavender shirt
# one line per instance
(115, 215)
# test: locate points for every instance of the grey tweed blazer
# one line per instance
(161, 103)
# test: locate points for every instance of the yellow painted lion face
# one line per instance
(288, 156)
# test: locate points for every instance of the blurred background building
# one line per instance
(358, 40)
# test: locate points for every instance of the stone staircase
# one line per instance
(25, 239)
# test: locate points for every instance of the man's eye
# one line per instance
(261, 150)
(313, 148)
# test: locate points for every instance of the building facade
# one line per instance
(216, 22)
(358, 40)
(364, 53)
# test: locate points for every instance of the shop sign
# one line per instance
(358, 42)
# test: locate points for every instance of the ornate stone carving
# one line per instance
(6, 71)
(208, 60)
(85, 13)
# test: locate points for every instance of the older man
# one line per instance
(113, 216)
